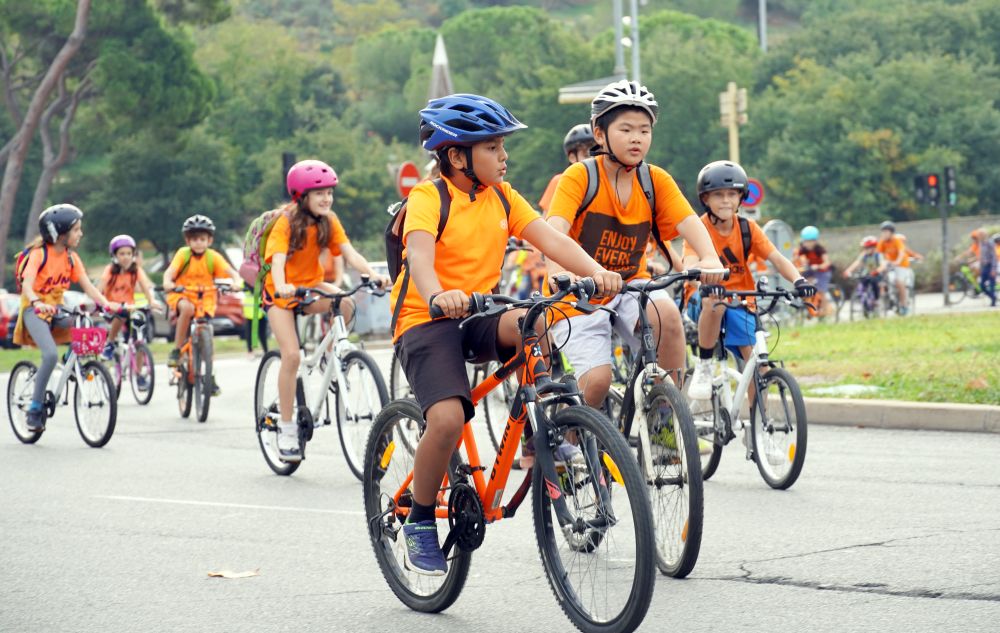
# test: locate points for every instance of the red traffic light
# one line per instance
(932, 180)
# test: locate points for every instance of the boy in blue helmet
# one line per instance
(467, 133)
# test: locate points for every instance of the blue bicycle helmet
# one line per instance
(464, 119)
(810, 233)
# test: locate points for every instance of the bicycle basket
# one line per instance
(86, 341)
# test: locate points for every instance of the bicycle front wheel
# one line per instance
(203, 380)
(95, 404)
(675, 484)
(360, 397)
(600, 559)
(142, 379)
(779, 429)
(20, 388)
(387, 469)
(266, 413)
(184, 390)
(120, 373)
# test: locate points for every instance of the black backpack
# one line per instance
(394, 238)
(745, 238)
(645, 183)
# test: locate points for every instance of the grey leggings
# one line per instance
(41, 332)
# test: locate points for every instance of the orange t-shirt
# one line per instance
(57, 274)
(740, 274)
(302, 267)
(549, 193)
(196, 275)
(470, 253)
(891, 248)
(613, 235)
(120, 287)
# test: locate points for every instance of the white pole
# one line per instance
(762, 23)
(619, 50)
(636, 75)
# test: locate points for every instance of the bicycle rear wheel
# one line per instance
(266, 414)
(361, 396)
(779, 429)
(95, 405)
(203, 373)
(675, 483)
(20, 388)
(184, 391)
(148, 373)
(398, 387)
(957, 285)
(120, 373)
(607, 585)
(386, 469)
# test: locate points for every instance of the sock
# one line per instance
(286, 426)
(419, 512)
(35, 406)
(705, 353)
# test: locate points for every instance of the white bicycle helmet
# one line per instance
(623, 93)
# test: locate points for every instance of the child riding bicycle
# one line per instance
(722, 187)
(467, 133)
(894, 250)
(869, 265)
(118, 282)
(48, 269)
(614, 227)
(303, 228)
(813, 262)
(195, 268)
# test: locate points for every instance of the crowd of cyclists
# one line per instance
(609, 218)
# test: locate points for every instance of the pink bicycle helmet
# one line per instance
(119, 241)
(309, 174)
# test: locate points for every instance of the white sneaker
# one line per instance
(288, 446)
(700, 386)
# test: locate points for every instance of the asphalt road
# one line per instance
(884, 531)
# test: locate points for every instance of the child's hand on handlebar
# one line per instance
(454, 303)
(607, 282)
(285, 291)
(168, 285)
(43, 309)
(711, 263)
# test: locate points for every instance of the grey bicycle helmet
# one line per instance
(197, 223)
(887, 226)
(57, 220)
(581, 134)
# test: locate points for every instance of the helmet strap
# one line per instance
(471, 175)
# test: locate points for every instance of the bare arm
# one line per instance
(93, 292)
(357, 261)
(568, 255)
(784, 267)
(695, 234)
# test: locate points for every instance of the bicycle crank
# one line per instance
(465, 518)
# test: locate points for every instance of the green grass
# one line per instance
(934, 358)
(228, 345)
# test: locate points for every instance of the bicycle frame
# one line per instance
(732, 400)
(333, 374)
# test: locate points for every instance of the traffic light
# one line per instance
(933, 189)
(951, 185)
(920, 189)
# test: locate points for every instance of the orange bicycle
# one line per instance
(591, 510)
(193, 374)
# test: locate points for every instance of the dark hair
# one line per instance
(605, 120)
(444, 164)
(299, 220)
(116, 268)
(195, 232)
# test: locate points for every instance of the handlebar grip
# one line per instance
(436, 312)
(301, 292)
(477, 303)
(587, 286)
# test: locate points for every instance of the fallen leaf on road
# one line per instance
(977, 383)
(234, 574)
(866, 375)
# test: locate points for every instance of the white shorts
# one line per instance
(590, 334)
(903, 275)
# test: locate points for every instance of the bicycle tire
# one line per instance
(354, 436)
(20, 386)
(767, 457)
(398, 387)
(203, 373)
(496, 405)
(119, 374)
(101, 385)
(185, 394)
(675, 486)
(143, 396)
(710, 462)
(266, 402)
(420, 593)
(616, 464)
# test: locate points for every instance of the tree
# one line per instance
(32, 117)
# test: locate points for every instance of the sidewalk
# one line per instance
(899, 414)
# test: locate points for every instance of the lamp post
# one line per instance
(733, 114)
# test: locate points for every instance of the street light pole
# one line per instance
(762, 23)
(636, 76)
(733, 114)
(619, 47)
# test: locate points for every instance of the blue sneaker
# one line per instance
(109, 351)
(142, 383)
(35, 420)
(423, 553)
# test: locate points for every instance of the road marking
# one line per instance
(216, 504)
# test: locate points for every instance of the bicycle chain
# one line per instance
(465, 518)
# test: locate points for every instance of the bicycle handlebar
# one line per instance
(304, 292)
(223, 286)
(761, 291)
(481, 305)
(669, 279)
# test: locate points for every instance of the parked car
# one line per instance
(9, 305)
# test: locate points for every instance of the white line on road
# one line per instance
(217, 504)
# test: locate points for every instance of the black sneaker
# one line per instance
(35, 420)
(174, 358)
(215, 388)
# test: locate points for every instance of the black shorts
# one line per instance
(433, 356)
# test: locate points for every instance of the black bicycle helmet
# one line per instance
(722, 174)
(887, 226)
(581, 134)
(198, 223)
(57, 220)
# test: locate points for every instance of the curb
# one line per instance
(899, 414)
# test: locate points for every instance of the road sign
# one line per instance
(407, 178)
(755, 193)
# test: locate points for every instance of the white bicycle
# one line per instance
(773, 426)
(336, 367)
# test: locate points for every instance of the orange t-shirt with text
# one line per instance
(57, 274)
(891, 248)
(195, 276)
(470, 253)
(302, 266)
(729, 248)
(120, 287)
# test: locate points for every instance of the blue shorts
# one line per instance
(739, 324)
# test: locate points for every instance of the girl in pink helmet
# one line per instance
(305, 227)
(118, 282)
